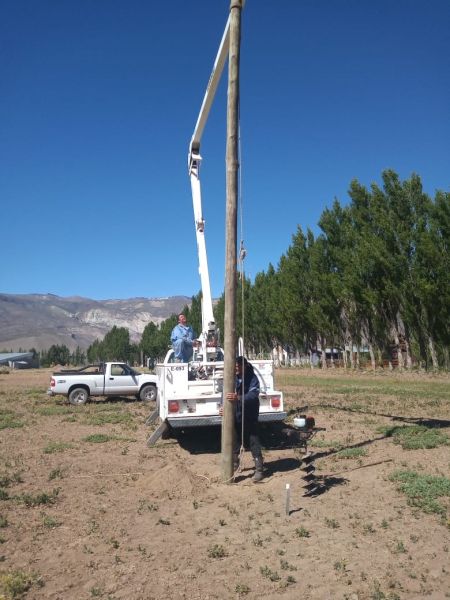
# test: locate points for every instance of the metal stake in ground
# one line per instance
(288, 498)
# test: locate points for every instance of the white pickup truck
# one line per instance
(103, 379)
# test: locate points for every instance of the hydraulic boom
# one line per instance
(209, 335)
(190, 394)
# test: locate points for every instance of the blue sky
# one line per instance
(99, 99)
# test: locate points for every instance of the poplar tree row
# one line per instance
(375, 279)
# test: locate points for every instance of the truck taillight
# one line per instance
(275, 401)
(52, 382)
(173, 406)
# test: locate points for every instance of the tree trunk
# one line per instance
(352, 358)
(324, 354)
(402, 329)
(380, 357)
(446, 359)
(399, 349)
(372, 356)
(332, 365)
(408, 354)
(275, 356)
(432, 349)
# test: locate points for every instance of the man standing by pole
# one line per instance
(246, 399)
(232, 166)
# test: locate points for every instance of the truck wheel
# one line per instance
(148, 393)
(78, 396)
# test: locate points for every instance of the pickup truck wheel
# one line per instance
(78, 396)
(148, 393)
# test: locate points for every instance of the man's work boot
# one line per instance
(259, 470)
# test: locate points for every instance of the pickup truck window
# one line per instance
(119, 370)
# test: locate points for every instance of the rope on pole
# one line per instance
(241, 270)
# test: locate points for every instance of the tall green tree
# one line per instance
(95, 352)
(150, 341)
(117, 344)
(56, 355)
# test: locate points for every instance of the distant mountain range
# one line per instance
(41, 320)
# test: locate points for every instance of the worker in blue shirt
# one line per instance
(182, 339)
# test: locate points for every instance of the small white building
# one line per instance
(19, 360)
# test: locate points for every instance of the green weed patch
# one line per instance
(7, 480)
(423, 490)
(317, 443)
(50, 522)
(14, 584)
(416, 437)
(54, 447)
(217, 551)
(31, 500)
(114, 418)
(53, 410)
(10, 420)
(99, 438)
(34, 392)
(375, 387)
(98, 407)
(352, 453)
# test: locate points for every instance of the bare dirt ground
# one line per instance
(88, 511)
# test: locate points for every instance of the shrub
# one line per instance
(16, 583)
(217, 551)
(31, 500)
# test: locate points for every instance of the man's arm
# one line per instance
(175, 334)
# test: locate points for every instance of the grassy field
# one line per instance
(87, 510)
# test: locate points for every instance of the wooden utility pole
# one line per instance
(232, 167)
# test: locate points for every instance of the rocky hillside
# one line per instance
(40, 320)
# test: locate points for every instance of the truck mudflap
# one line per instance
(184, 422)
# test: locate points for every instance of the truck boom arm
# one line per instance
(210, 93)
(208, 335)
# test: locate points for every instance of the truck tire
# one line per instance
(78, 395)
(148, 393)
